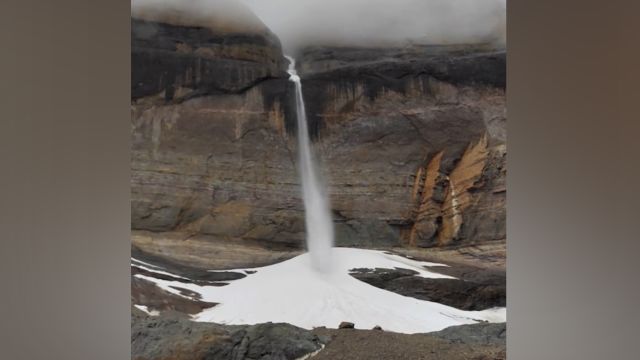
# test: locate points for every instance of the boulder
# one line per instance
(346, 325)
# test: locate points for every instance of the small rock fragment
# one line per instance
(346, 325)
(377, 327)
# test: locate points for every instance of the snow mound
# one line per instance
(293, 292)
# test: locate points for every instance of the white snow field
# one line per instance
(293, 292)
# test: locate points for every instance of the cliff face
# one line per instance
(179, 62)
(210, 153)
(413, 140)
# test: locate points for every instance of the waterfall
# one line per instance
(319, 225)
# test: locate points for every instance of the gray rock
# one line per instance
(482, 333)
(172, 336)
(473, 288)
(346, 325)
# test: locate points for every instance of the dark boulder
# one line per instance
(346, 325)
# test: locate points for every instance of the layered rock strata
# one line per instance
(412, 140)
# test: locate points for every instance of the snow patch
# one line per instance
(293, 292)
(311, 354)
(160, 272)
(134, 260)
(146, 309)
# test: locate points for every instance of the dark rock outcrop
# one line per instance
(181, 62)
(484, 291)
(485, 333)
(176, 338)
(155, 299)
(413, 139)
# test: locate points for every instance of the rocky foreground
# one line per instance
(468, 342)
(174, 337)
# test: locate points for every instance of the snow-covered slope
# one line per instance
(292, 292)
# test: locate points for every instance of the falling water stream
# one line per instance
(318, 221)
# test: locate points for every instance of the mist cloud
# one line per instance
(351, 22)
(354, 22)
(225, 15)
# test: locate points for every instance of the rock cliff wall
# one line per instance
(413, 140)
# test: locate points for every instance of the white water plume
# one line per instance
(319, 224)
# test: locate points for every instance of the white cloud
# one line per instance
(351, 22)
(373, 21)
